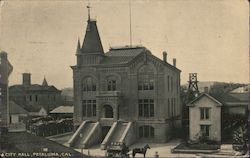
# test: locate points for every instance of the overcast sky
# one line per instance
(207, 37)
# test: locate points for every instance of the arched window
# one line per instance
(111, 85)
(146, 131)
(146, 78)
(88, 84)
(108, 111)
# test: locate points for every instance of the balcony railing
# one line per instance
(109, 93)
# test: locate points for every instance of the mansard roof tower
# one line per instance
(91, 51)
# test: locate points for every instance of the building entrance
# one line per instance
(108, 111)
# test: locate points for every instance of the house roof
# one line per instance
(244, 97)
(29, 143)
(202, 95)
(16, 109)
(63, 109)
(116, 60)
(233, 98)
(125, 51)
(36, 108)
(243, 89)
(122, 55)
(33, 87)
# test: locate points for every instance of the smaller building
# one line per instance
(62, 112)
(205, 118)
(36, 111)
(18, 117)
(28, 94)
(17, 113)
(235, 102)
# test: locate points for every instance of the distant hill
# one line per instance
(67, 95)
(203, 84)
(67, 92)
(209, 84)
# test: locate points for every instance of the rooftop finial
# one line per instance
(88, 6)
(78, 44)
(45, 83)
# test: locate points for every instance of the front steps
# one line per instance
(89, 133)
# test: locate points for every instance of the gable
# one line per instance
(16, 109)
(204, 99)
(147, 58)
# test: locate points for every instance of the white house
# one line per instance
(205, 118)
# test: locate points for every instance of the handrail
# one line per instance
(91, 133)
(125, 132)
(70, 142)
(108, 136)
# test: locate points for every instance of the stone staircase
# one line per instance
(82, 136)
(118, 133)
(86, 135)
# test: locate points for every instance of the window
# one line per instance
(177, 85)
(204, 113)
(169, 108)
(146, 78)
(88, 108)
(146, 132)
(168, 84)
(36, 98)
(88, 84)
(111, 85)
(171, 84)
(176, 107)
(172, 107)
(146, 83)
(205, 130)
(146, 107)
(30, 97)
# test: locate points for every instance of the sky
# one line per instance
(210, 38)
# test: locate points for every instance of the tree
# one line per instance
(240, 139)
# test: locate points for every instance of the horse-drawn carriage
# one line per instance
(120, 150)
(117, 150)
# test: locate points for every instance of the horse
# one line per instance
(141, 150)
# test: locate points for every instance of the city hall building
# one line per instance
(124, 95)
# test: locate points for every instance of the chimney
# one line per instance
(3, 55)
(174, 62)
(164, 54)
(26, 79)
(206, 89)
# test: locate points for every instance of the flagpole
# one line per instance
(130, 28)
